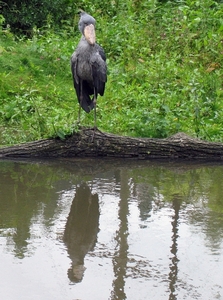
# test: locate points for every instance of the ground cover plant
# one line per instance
(165, 73)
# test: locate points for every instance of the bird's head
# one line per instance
(86, 26)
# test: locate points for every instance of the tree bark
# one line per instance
(94, 143)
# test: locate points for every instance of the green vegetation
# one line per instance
(165, 73)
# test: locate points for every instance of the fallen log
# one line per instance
(90, 143)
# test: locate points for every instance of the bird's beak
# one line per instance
(89, 33)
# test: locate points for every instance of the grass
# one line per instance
(37, 98)
(165, 75)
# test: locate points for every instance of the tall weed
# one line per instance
(164, 73)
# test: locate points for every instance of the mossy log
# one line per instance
(94, 143)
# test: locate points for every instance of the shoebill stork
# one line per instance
(88, 66)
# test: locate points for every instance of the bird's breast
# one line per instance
(84, 70)
(84, 57)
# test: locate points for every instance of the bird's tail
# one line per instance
(87, 103)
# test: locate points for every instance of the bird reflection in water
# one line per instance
(81, 230)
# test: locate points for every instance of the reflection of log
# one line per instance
(83, 144)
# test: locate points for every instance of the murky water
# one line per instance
(105, 230)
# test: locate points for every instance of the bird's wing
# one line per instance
(101, 52)
(81, 86)
(74, 67)
(99, 70)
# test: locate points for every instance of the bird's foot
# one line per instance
(93, 135)
(95, 128)
(76, 126)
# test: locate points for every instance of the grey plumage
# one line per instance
(88, 66)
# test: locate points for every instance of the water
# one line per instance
(105, 230)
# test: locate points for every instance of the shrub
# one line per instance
(22, 16)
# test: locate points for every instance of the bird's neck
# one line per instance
(83, 39)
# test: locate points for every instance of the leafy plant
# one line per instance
(164, 73)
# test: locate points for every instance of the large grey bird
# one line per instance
(88, 66)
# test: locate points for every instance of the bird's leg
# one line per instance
(95, 104)
(79, 115)
(80, 104)
(95, 116)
